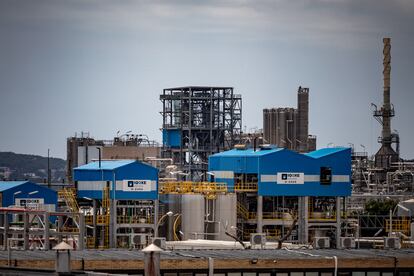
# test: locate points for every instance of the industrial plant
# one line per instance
(214, 199)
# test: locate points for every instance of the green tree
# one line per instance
(379, 206)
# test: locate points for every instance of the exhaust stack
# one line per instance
(386, 154)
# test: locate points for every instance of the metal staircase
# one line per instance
(68, 195)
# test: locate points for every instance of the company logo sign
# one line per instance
(30, 203)
(290, 178)
(137, 185)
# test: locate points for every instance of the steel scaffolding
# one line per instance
(197, 122)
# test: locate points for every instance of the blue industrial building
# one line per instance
(27, 194)
(133, 180)
(123, 196)
(282, 172)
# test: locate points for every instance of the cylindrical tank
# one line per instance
(173, 203)
(289, 116)
(282, 128)
(225, 216)
(294, 130)
(275, 135)
(193, 212)
(267, 125)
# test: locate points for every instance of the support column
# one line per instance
(112, 223)
(59, 228)
(155, 222)
(94, 218)
(259, 214)
(81, 245)
(47, 233)
(6, 230)
(26, 231)
(303, 223)
(338, 221)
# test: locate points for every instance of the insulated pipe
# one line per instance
(100, 157)
(259, 214)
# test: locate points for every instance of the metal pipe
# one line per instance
(100, 157)
(254, 143)
(169, 214)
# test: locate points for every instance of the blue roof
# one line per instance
(5, 185)
(325, 151)
(247, 152)
(105, 165)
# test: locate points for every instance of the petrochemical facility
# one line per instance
(212, 199)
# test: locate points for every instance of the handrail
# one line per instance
(190, 187)
(134, 219)
(245, 187)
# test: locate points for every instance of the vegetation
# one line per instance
(26, 166)
(380, 207)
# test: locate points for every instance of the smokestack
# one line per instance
(303, 119)
(386, 155)
(386, 108)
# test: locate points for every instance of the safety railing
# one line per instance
(398, 225)
(61, 192)
(134, 220)
(190, 187)
(322, 216)
(245, 187)
(277, 216)
(102, 219)
(90, 242)
(247, 215)
(271, 234)
(70, 229)
(89, 219)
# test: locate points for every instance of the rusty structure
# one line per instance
(289, 127)
(197, 122)
(386, 154)
(80, 150)
(83, 149)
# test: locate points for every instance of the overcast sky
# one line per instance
(99, 65)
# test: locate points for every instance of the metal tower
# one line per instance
(386, 154)
(197, 122)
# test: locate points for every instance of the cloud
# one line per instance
(317, 22)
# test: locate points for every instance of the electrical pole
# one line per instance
(49, 180)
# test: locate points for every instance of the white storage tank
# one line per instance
(193, 213)
(226, 215)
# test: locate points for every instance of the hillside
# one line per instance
(15, 166)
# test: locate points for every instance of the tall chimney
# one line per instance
(386, 155)
(303, 120)
(386, 108)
